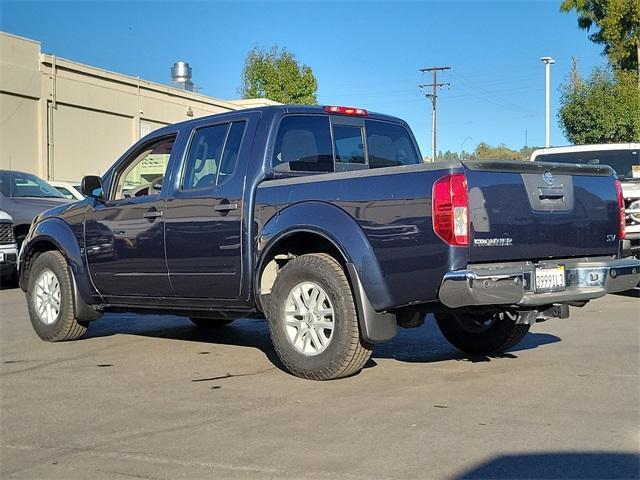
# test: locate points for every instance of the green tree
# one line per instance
(277, 75)
(484, 151)
(617, 27)
(447, 156)
(603, 109)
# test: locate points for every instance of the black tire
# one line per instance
(210, 322)
(265, 301)
(465, 331)
(346, 353)
(65, 327)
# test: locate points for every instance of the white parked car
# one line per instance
(70, 190)
(624, 158)
(8, 247)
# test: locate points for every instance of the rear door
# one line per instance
(535, 211)
(203, 217)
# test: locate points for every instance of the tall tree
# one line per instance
(617, 27)
(605, 108)
(484, 151)
(277, 75)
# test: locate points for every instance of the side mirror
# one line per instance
(91, 186)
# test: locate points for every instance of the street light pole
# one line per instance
(548, 61)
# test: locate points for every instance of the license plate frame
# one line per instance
(549, 278)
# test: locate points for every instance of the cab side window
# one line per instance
(144, 173)
(213, 155)
(303, 144)
(204, 157)
(389, 145)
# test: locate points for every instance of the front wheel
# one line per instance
(313, 320)
(50, 299)
(481, 333)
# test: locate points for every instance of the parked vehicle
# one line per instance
(8, 248)
(23, 196)
(69, 190)
(624, 158)
(326, 220)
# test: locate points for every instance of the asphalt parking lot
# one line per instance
(154, 397)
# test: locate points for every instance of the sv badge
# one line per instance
(611, 238)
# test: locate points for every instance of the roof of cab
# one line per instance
(273, 109)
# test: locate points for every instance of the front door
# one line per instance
(124, 233)
(204, 214)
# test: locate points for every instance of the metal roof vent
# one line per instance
(181, 76)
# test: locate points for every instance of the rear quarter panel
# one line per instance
(392, 207)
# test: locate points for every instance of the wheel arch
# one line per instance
(291, 233)
(55, 234)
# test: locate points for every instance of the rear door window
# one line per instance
(230, 154)
(303, 144)
(204, 157)
(389, 145)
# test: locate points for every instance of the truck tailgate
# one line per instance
(534, 211)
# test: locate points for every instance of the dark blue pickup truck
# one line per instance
(325, 220)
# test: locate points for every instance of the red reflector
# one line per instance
(346, 110)
(621, 214)
(450, 206)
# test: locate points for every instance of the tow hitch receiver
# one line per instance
(529, 317)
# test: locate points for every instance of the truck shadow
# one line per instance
(419, 345)
(426, 345)
(557, 465)
(633, 293)
(241, 333)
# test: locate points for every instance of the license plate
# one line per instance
(550, 278)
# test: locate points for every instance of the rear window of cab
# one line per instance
(313, 143)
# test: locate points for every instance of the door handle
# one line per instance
(225, 207)
(152, 214)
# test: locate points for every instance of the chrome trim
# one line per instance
(511, 283)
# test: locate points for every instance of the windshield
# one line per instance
(18, 184)
(622, 161)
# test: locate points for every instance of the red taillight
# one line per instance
(450, 203)
(346, 110)
(621, 214)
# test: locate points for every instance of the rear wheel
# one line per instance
(50, 299)
(313, 321)
(210, 322)
(481, 333)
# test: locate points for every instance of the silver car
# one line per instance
(23, 196)
(8, 248)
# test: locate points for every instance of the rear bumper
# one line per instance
(512, 283)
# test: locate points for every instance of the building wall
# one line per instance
(62, 120)
(20, 93)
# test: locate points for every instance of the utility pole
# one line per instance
(434, 100)
(548, 61)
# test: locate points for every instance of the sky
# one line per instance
(364, 54)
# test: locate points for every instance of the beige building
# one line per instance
(62, 120)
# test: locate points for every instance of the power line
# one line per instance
(434, 99)
(496, 99)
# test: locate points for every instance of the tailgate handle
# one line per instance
(551, 194)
